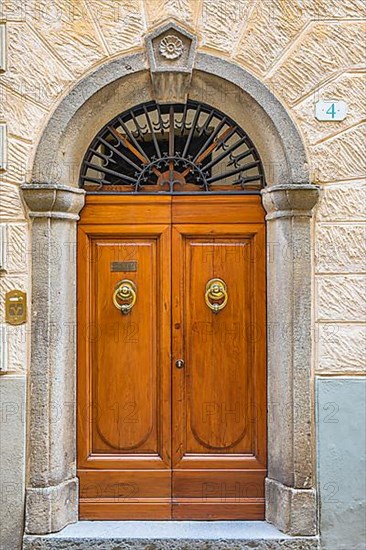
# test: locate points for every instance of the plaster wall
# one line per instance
(341, 414)
(302, 51)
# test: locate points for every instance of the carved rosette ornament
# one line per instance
(171, 47)
(171, 51)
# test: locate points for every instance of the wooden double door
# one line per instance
(171, 357)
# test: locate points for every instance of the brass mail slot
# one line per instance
(15, 307)
(124, 266)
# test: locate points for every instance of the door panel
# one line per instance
(125, 374)
(219, 417)
(211, 209)
(124, 370)
(126, 209)
(156, 441)
(217, 358)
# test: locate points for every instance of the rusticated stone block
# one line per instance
(321, 51)
(341, 157)
(23, 117)
(221, 22)
(19, 154)
(121, 23)
(342, 202)
(68, 29)
(181, 10)
(270, 28)
(333, 9)
(17, 347)
(17, 248)
(341, 348)
(32, 71)
(340, 248)
(11, 207)
(340, 298)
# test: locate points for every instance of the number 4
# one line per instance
(331, 110)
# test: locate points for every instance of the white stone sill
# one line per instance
(165, 530)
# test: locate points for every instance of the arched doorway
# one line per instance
(171, 280)
(54, 202)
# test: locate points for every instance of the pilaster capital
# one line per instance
(290, 200)
(50, 200)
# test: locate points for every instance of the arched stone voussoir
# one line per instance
(122, 83)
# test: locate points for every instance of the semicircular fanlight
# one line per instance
(174, 148)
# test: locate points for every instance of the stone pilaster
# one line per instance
(51, 495)
(291, 499)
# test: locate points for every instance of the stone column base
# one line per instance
(50, 509)
(291, 510)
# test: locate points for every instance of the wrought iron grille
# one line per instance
(176, 148)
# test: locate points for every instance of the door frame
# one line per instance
(54, 202)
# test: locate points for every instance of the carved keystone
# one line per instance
(171, 51)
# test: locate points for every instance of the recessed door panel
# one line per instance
(125, 356)
(217, 355)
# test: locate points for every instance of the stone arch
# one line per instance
(54, 201)
(123, 83)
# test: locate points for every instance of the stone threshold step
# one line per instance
(169, 535)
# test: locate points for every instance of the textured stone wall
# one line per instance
(302, 50)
